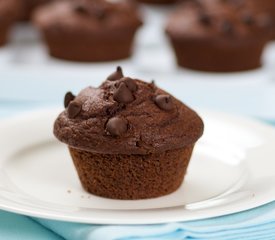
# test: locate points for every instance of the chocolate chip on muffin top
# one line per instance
(126, 116)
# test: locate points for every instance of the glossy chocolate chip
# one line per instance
(123, 94)
(205, 19)
(130, 84)
(164, 102)
(74, 109)
(116, 126)
(68, 98)
(118, 74)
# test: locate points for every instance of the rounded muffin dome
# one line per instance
(126, 116)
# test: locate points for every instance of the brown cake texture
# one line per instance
(89, 30)
(218, 35)
(265, 7)
(28, 6)
(9, 11)
(128, 139)
(158, 1)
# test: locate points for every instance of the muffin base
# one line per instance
(88, 48)
(131, 176)
(218, 57)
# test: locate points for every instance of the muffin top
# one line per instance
(221, 19)
(9, 10)
(88, 15)
(126, 116)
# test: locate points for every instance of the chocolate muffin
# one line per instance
(9, 11)
(28, 7)
(128, 138)
(218, 35)
(89, 30)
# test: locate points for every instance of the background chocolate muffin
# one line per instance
(89, 30)
(28, 7)
(128, 139)
(218, 35)
(9, 12)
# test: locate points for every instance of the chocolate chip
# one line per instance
(98, 12)
(123, 94)
(118, 74)
(116, 126)
(247, 19)
(227, 27)
(130, 84)
(79, 8)
(164, 102)
(68, 98)
(152, 85)
(205, 19)
(74, 109)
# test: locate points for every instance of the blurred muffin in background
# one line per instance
(89, 30)
(28, 7)
(9, 12)
(218, 35)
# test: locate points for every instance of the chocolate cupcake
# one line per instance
(218, 35)
(128, 138)
(9, 11)
(89, 30)
(28, 7)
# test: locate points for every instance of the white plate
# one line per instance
(232, 169)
